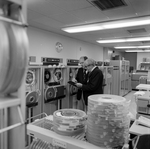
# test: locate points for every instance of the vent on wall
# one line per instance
(107, 4)
(134, 31)
(145, 42)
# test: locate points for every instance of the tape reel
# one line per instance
(69, 122)
(47, 76)
(19, 44)
(4, 54)
(32, 98)
(57, 75)
(30, 79)
(49, 93)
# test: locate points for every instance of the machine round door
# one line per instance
(50, 93)
(47, 76)
(31, 98)
(30, 79)
(57, 75)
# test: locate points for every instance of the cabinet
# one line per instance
(144, 66)
(120, 77)
(12, 108)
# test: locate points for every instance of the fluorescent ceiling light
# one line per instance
(137, 51)
(124, 40)
(83, 28)
(128, 23)
(111, 41)
(132, 47)
(138, 21)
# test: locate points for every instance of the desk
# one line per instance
(138, 130)
(145, 96)
(143, 104)
(143, 87)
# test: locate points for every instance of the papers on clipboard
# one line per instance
(143, 121)
(72, 83)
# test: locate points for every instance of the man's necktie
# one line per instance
(84, 74)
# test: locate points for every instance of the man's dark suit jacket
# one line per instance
(94, 84)
(81, 78)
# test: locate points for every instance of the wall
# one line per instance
(132, 57)
(121, 54)
(108, 53)
(142, 55)
(42, 44)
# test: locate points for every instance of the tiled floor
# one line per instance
(133, 106)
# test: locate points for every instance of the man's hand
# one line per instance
(74, 80)
(79, 85)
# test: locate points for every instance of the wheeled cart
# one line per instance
(42, 131)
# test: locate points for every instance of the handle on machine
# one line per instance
(37, 116)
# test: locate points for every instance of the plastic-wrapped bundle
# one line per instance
(69, 122)
(108, 120)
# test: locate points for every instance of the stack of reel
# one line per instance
(108, 120)
(69, 122)
(13, 56)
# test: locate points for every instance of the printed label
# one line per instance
(59, 143)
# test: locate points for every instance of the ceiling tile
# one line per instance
(32, 2)
(90, 15)
(68, 19)
(121, 12)
(46, 8)
(48, 22)
(70, 5)
(44, 27)
(31, 15)
(141, 7)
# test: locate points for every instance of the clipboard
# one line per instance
(72, 83)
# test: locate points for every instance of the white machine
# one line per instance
(53, 84)
(120, 77)
(33, 95)
(72, 68)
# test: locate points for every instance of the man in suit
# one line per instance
(94, 83)
(81, 77)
